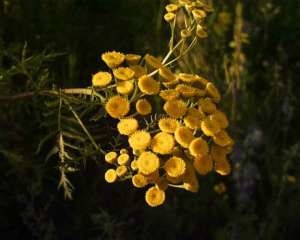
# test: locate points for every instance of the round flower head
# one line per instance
(121, 171)
(169, 94)
(175, 167)
(195, 113)
(132, 59)
(139, 180)
(221, 118)
(143, 107)
(123, 159)
(166, 74)
(190, 181)
(127, 126)
(210, 127)
(169, 17)
(123, 150)
(162, 183)
(186, 77)
(123, 73)
(111, 157)
(113, 59)
(101, 79)
(213, 92)
(148, 163)
(152, 61)
(198, 14)
(134, 165)
(138, 70)
(200, 32)
(117, 106)
(218, 153)
(198, 147)
(171, 84)
(162, 143)
(154, 197)
(206, 105)
(184, 136)
(171, 8)
(192, 122)
(125, 87)
(222, 139)
(168, 125)
(148, 85)
(185, 33)
(110, 176)
(139, 140)
(175, 108)
(223, 167)
(188, 91)
(203, 164)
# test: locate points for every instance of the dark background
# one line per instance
(62, 42)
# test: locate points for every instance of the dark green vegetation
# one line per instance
(51, 43)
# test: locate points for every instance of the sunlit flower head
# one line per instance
(111, 157)
(195, 113)
(206, 105)
(153, 61)
(198, 147)
(125, 87)
(171, 84)
(123, 150)
(117, 106)
(223, 167)
(148, 85)
(169, 94)
(192, 122)
(175, 167)
(203, 164)
(175, 108)
(138, 70)
(169, 17)
(101, 79)
(113, 59)
(188, 78)
(139, 180)
(187, 91)
(132, 59)
(139, 140)
(162, 143)
(168, 125)
(198, 14)
(218, 153)
(222, 139)
(121, 170)
(127, 126)
(110, 176)
(154, 197)
(123, 159)
(200, 32)
(143, 106)
(184, 136)
(134, 165)
(123, 73)
(166, 74)
(210, 127)
(171, 7)
(221, 118)
(148, 163)
(213, 92)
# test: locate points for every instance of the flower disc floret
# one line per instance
(117, 106)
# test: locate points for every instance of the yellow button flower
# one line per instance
(169, 17)
(168, 125)
(213, 92)
(101, 79)
(127, 126)
(148, 163)
(113, 59)
(171, 7)
(132, 59)
(187, 77)
(134, 165)
(117, 106)
(143, 106)
(198, 14)
(148, 85)
(206, 105)
(210, 127)
(125, 87)
(162, 143)
(123, 73)
(111, 157)
(166, 74)
(154, 197)
(110, 176)
(139, 140)
(138, 70)
(200, 32)
(175, 167)
(175, 108)
(188, 91)
(221, 118)
(169, 94)
(121, 171)
(153, 61)
(203, 164)
(222, 139)
(184, 136)
(139, 180)
(123, 159)
(192, 122)
(198, 147)
(223, 167)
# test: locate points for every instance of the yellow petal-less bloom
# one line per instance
(111, 157)
(169, 94)
(213, 92)
(221, 118)
(113, 59)
(134, 165)
(143, 106)
(139, 140)
(125, 87)
(185, 33)
(184, 136)
(101, 79)
(123, 150)
(168, 125)
(148, 163)
(222, 139)
(198, 147)
(148, 85)
(223, 167)
(218, 153)
(162, 143)
(171, 84)
(188, 78)
(127, 126)
(138, 70)
(117, 106)
(175, 167)
(110, 176)
(166, 74)
(171, 8)
(123, 73)
(123, 159)
(139, 180)
(202, 80)
(195, 113)
(192, 122)
(188, 91)
(200, 32)
(154, 197)
(210, 127)
(175, 108)
(203, 164)
(198, 14)
(121, 171)
(153, 61)
(206, 105)
(169, 17)
(132, 59)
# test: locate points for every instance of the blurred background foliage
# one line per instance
(251, 54)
